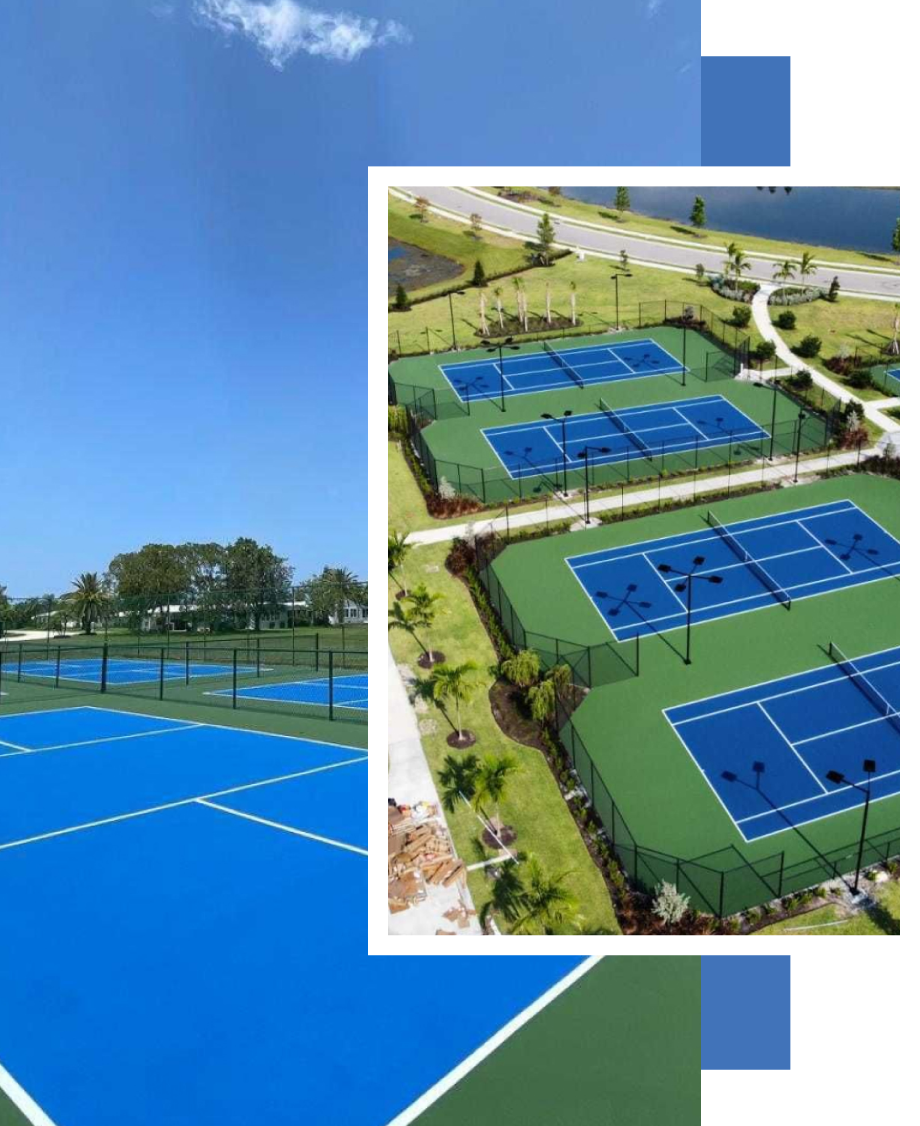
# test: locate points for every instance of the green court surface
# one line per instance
(887, 377)
(620, 1045)
(454, 449)
(627, 753)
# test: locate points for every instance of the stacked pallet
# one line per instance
(420, 853)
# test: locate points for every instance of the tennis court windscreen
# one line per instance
(569, 371)
(861, 681)
(756, 568)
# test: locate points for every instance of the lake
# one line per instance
(852, 218)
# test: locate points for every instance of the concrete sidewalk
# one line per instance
(676, 491)
(410, 783)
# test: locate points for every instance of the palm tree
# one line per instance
(402, 617)
(548, 907)
(573, 287)
(456, 683)
(340, 586)
(456, 779)
(784, 273)
(548, 315)
(497, 294)
(740, 263)
(88, 600)
(895, 346)
(806, 266)
(491, 788)
(521, 294)
(730, 251)
(424, 605)
(483, 327)
(398, 549)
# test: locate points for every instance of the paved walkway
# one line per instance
(874, 410)
(675, 491)
(410, 782)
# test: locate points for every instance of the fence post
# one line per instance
(162, 669)
(57, 669)
(104, 675)
(331, 686)
(722, 895)
(187, 660)
(782, 866)
(235, 651)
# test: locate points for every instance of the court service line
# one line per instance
(281, 826)
(110, 739)
(452, 1078)
(170, 805)
(836, 558)
(791, 747)
(843, 730)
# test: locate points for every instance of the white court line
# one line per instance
(841, 730)
(109, 739)
(24, 1103)
(281, 826)
(51, 834)
(824, 547)
(832, 673)
(452, 1078)
(689, 422)
(782, 736)
(820, 798)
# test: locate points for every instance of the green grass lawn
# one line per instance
(595, 301)
(661, 794)
(884, 918)
(848, 323)
(708, 239)
(535, 807)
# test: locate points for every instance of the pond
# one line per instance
(850, 218)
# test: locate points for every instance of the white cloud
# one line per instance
(652, 8)
(282, 29)
(162, 9)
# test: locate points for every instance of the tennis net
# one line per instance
(862, 682)
(782, 596)
(569, 371)
(624, 429)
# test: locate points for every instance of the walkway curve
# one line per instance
(874, 410)
(503, 218)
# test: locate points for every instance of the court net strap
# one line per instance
(759, 571)
(862, 682)
(570, 372)
(624, 429)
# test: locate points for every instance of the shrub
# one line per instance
(402, 303)
(808, 347)
(795, 295)
(765, 350)
(479, 274)
(735, 290)
(741, 316)
(786, 319)
(523, 669)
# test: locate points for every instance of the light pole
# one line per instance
(798, 443)
(836, 777)
(586, 454)
(499, 347)
(565, 457)
(450, 302)
(616, 284)
(687, 585)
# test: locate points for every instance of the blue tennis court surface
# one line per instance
(540, 371)
(789, 556)
(685, 425)
(188, 902)
(123, 670)
(895, 374)
(348, 691)
(765, 751)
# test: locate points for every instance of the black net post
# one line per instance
(162, 669)
(187, 661)
(234, 676)
(104, 677)
(331, 685)
(57, 668)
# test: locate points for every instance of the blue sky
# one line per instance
(183, 248)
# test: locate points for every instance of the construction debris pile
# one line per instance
(420, 856)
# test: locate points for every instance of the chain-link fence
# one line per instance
(304, 682)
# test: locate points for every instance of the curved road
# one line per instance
(496, 212)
